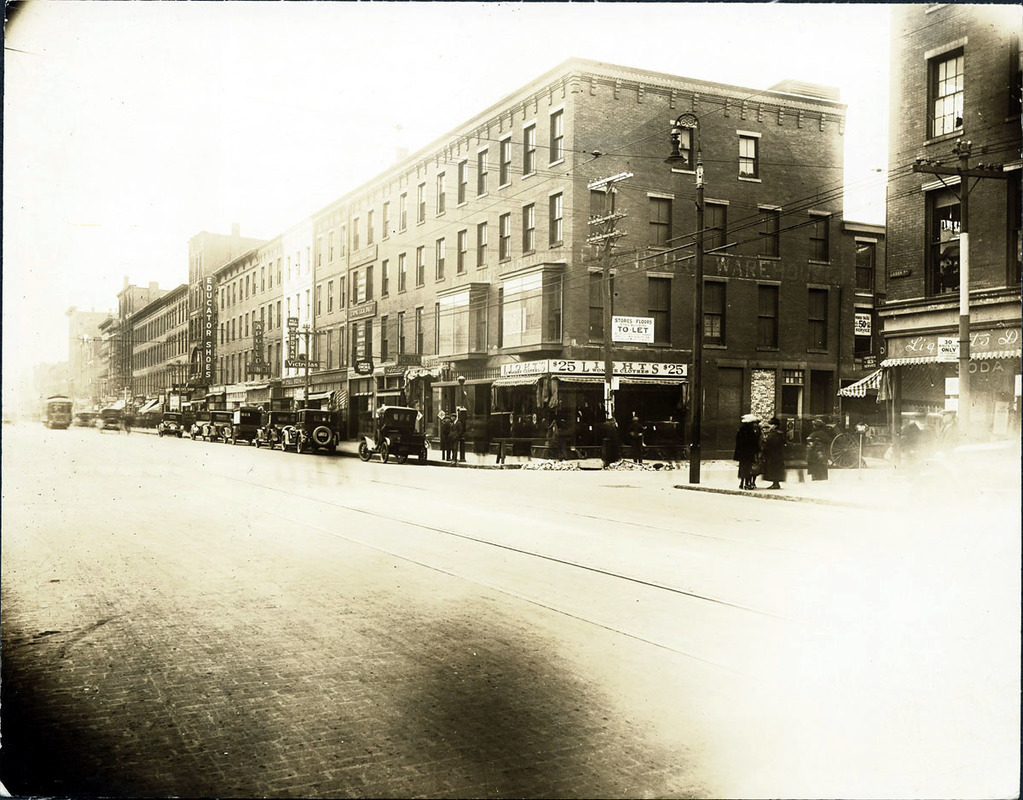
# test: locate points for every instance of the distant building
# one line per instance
(159, 363)
(86, 357)
(955, 78)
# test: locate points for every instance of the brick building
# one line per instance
(955, 77)
(159, 362)
(469, 259)
(87, 361)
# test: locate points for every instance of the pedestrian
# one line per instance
(636, 430)
(817, 443)
(948, 433)
(555, 439)
(774, 453)
(445, 435)
(747, 450)
(458, 436)
(610, 450)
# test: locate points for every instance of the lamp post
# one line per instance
(691, 123)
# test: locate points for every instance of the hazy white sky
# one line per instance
(129, 127)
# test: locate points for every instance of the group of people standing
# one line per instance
(760, 451)
(452, 435)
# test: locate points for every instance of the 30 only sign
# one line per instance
(632, 329)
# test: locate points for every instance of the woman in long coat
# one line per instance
(747, 449)
(774, 454)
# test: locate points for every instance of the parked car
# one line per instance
(270, 434)
(170, 424)
(199, 423)
(394, 434)
(313, 430)
(245, 424)
(218, 429)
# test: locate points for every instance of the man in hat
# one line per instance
(747, 450)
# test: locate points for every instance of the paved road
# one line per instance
(190, 619)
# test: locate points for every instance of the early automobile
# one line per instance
(394, 434)
(199, 423)
(271, 433)
(170, 424)
(219, 426)
(110, 419)
(314, 429)
(245, 425)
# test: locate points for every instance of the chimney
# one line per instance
(126, 284)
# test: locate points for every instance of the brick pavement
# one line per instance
(157, 649)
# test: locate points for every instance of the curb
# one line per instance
(770, 496)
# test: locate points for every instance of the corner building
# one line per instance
(955, 78)
(463, 276)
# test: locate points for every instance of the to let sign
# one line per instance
(632, 329)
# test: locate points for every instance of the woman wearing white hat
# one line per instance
(747, 450)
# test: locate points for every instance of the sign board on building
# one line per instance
(948, 348)
(861, 324)
(408, 359)
(300, 363)
(292, 323)
(869, 362)
(899, 273)
(625, 369)
(364, 367)
(365, 310)
(632, 329)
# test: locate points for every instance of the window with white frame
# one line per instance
(557, 136)
(529, 149)
(749, 156)
(947, 81)
(504, 170)
(481, 172)
(557, 219)
(504, 237)
(528, 228)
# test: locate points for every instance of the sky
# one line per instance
(130, 127)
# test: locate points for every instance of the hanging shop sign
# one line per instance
(861, 324)
(364, 367)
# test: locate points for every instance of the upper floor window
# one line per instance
(419, 329)
(463, 249)
(866, 253)
(714, 312)
(820, 237)
(481, 244)
(402, 211)
(557, 136)
(770, 232)
(369, 227)
(355, 239)
(481, 172)
(385, 278)
(420, 265)
(463, 181)
(441, 192)
(767, 316)
(528, 228)
(715, 225)
(946, 93)
(385, 220)
(421, 203)
(402, 272)
(749, 157)
(944, 223)
(504, 237)
(529, 150)
(557, 219)
(659, 308)
(817, 319)
(440, 254)
(660, 221)
(504, 172)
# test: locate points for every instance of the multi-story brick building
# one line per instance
(86, 361)
(955, 100)
(159, 362)
(470, 260)
(207, 252)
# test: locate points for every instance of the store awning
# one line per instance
(932, 359)
(319, 395)
(517, 380)
(658, 381)
(147, 407)
(859, 389)
(118, 406)
(579, 379)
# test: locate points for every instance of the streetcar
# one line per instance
(57, 412)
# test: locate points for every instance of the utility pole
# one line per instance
(607, 236)
(964, 172)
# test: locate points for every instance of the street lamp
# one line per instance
(691, 123)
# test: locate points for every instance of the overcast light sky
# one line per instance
(129, 127)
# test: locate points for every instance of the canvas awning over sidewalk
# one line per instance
(859, 389)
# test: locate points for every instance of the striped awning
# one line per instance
(149, 406)
(859, 389)
(658, 380)
(990, 354)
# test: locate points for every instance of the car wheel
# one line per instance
(401, 458)
(179, 434)
(364, 452)
(385, 452)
